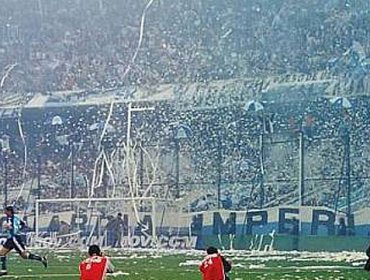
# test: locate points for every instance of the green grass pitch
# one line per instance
(163, 265)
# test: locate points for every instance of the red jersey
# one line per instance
(212, 268)
(94, 268)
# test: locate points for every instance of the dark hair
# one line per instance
(119, 214)
(212, 250)
(10, 209)
(94, 250)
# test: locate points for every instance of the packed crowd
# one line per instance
(89, 44)
(251, 156)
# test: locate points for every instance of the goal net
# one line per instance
(109, 222)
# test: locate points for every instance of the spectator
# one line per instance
(342, 228)
(54, 225)
(118, 227)
(295, 234)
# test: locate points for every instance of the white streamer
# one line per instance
(7, 73)
(20, 129)
(142, 26)
(101, 172)
(100, 155)
(154, 170)
(106, 123)
(92, 190)
(126, 164)
(110, 171)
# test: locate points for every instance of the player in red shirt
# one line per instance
(96, 266)
(214, 266)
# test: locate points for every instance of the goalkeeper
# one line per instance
(13, 226)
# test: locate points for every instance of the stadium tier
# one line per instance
(308, 155)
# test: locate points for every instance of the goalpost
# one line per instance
(149, 215)
(64, 223)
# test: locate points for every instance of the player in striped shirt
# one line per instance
(13, 226)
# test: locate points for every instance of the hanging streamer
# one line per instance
(7, 73)
(109, 168)
(154, 170)
(141, 36)
(262, 166)
(106, 124)
(132, 184)
(134, 175)
(92, 192)
(100, 155)
(113, 159)
(126, 164)
(24, 175)
(101, 172)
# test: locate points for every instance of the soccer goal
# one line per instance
(109, 222)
